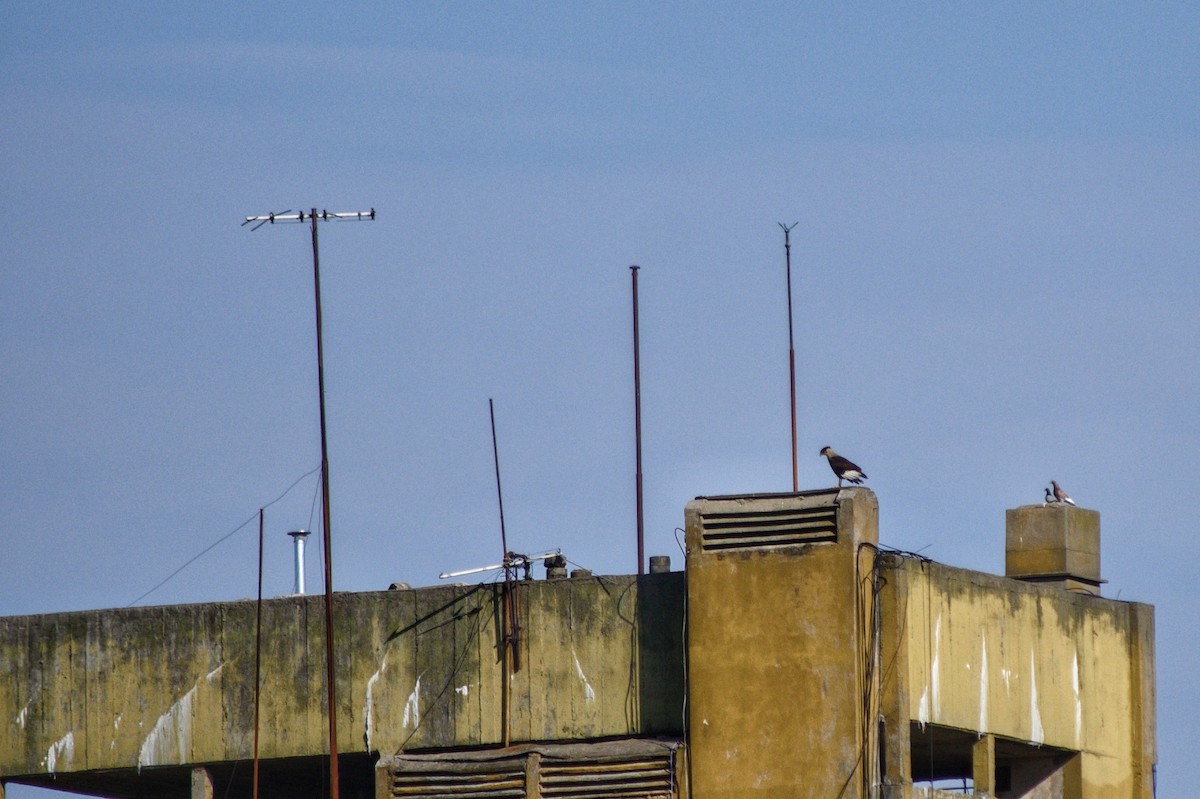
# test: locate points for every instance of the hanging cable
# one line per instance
(220, 540)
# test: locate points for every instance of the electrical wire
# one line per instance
(222, 539)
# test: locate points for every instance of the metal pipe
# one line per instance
(299, 537)
(637, 426)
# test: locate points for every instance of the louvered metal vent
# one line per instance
(630, 769)
(728, 526)
(642, 778)
(469, 781)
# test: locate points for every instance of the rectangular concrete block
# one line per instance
(1055, 542)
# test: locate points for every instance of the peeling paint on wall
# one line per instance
(412, 708)
(935, 690)
(1036, 733)
(462, 690)
(587, 687)
(369, 704)
(171, 738)
(20, 719)
(1078, 702)
(63, 748)
(983, 685)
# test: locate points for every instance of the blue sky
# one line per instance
(994, 284)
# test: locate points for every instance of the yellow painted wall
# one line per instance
(1034, 663)
(774, 663)
(145, 687)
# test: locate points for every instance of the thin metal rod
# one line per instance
(787, 247)
(506, 596)
(637, 426)
(499, 493)
(330, 684)
(258, 648)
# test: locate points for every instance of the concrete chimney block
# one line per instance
(1057, 544)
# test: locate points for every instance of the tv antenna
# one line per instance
(787, 248)
(313, 218)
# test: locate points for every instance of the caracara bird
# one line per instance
(1050, 499)
(844, 469)
(1061, 495)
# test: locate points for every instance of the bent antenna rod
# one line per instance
(312, 218)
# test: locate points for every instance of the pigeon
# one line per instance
(1050, 499)
(1061, 495)
(844, 469)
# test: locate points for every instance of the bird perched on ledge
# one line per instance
(1061, 495)
(844, 469)
(1050, 499)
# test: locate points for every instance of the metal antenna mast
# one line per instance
(637, 425)
(313, 217)
(508, 626)
(787, 248)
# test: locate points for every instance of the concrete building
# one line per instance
(794, 657)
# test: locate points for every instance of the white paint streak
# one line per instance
(935, 668)
(462, 690)
(1005, 674)
(20, 719)
(63, 748)
(587, 687)
(983, 686)
(1036, 733)
(923, 709)
(369, 704)
(412, 708)
(171, 738)
(1078, 701)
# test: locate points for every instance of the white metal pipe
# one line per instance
(298, 536)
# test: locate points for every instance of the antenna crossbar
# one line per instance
(301, 216)
(513, 561)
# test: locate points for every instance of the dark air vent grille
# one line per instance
(740, 529)
(642, 778)
(501, 780)
(616, 770)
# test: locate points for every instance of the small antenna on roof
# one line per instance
(787, 248)
(330, 681)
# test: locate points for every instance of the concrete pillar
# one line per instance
(983, 766)
(776, 657)
(202, 784)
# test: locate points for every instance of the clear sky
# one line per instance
(994, 269)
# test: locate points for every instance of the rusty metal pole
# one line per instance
(258, 649)
(506, 627)
(637, 426)
(330, 684)
(787, 248)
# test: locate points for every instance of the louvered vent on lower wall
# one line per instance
(728, 526)
(476, 781)
(640, 778)
(629, 769)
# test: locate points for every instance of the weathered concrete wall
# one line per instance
(1028, 662)
(143, 687)
(775, 660)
